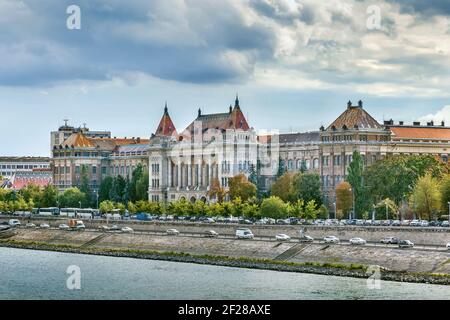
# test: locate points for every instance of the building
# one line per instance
(99, 154)
(18, 172)
(10, 165)
(213, 148)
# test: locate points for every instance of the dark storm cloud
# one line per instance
(188, 41)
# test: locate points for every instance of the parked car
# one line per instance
(405, 244)
(376, 222)
(63, 226)
(244, 233)
(44, 226)
(306, 238)
(114, 228)
(211, 234)
(435, 223)
(424, 223)
(448, 246)
(14, 223)
(415, 223)
(405, 223)
(389, 240)
(396, 223)
(331, 239)
(282, 221)
(209, 220)
(356, 241)
(445, 224)
(127, 230)
(103, 228)
(282, 237)
(30, 225)
(172, 232)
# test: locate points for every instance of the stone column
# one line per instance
(169, 164)
(189, 182)
(199, 173)
(179, 175)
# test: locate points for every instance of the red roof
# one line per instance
(435, 133)
(166, 126)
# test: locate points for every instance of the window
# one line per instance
(94, 169)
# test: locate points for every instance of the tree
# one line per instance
(240, 187)
(49, 197)
(283, 187)
(394, 177)
(307, 187)
(217, 191)
(386, 209)
(274, 207)
(445, 193)
(142, 185)
(281, 167)
(72, 197)
(303, 167)
(135, 177)
(311, 211)
(253, 176)
(355, 178)
(426, 197)
(118, 189)
(105, 189)
(131, 207)
(344, 199)
(106, 206)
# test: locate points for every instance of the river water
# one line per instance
(28, 274)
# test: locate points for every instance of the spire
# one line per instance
(199, 112)
(166, 126)
(231, 108)
(236, 102)
(360, 103)
(349, 104)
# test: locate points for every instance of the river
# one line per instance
(28, 274)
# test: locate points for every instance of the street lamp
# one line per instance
(79, 203)
(353, 200)
(334, 205)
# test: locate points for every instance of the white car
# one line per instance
(63, 226)
(30, 225)
(44, 226)
(357, 241)
(127, 230)
(405, 244)
(244, 233)
(331, 239)
(211, 234)
(210, 220)
(306, 238)
(14, 222)
(103, 228)
(282, 237)
(448, 246)
(172, 232)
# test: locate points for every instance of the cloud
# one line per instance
(441, 115)
(322, 44)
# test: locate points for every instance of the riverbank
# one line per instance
(334, 269)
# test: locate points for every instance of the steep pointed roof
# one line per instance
(355, 117)
(234, 119)
(166, 126)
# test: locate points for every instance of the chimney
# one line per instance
(360, 103)
(349, 104)
(443, 124)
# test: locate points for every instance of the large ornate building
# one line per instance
(214, 147)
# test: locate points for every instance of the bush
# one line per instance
(274, 207)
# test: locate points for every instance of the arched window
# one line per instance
(316, 163)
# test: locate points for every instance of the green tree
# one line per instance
(142, 185)
(311, 211)
(303, 167)
(217, 191)
(105, 189)
(281, 167)
(135, 176)
(426, 197)
(274, 207)
(49, 197)
(253, 176)
(445, 193)
(307, 187)
(72, 197)
(240, 187)
(106, 206)
(356, 180)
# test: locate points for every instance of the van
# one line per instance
(14, 222)
(244, 233)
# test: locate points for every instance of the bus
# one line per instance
(86, 213)
(52, 211)
(68, 212)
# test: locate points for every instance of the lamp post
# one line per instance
(79, 202)
(353, 201)
(334, 205)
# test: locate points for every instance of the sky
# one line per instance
(293, 63)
